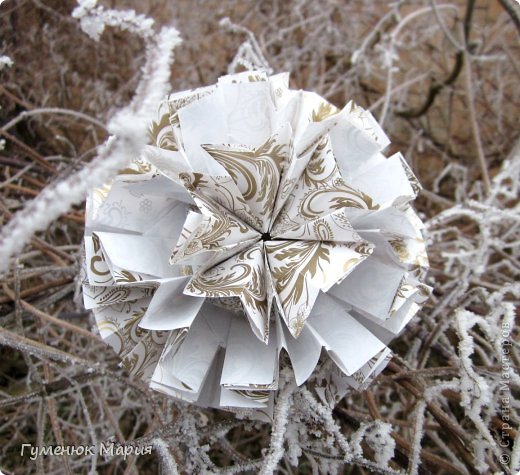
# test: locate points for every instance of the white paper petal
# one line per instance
(242, 275)
(362, 344)
(203, 121)
(387, 184)
(370, 288)
(301, 269)
(170, 308)
(193, 359)
(304, 353)
(148, 255)
(332, 227)
(249, 362)
(98, 296)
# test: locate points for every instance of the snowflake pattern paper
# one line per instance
(260, 219)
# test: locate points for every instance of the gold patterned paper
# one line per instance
(259, 219)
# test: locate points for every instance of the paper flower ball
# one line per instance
(262, 224)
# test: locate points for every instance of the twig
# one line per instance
(474, 125)
(46, 317)
(38, 288)
(29, 151)
(513, 9)
(436, 88)
(53, 110)
(279, 427)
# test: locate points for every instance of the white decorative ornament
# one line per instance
(260, 219)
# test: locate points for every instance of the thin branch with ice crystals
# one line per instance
(129, 127)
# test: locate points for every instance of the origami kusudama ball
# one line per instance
(263, 227)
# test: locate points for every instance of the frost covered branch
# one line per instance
(129, 129)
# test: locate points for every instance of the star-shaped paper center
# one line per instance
(275, 228)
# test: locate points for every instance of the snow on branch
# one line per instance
(129, 137)
(94, 19)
